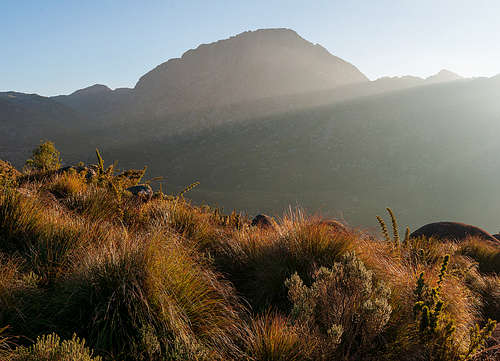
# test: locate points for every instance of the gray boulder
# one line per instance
(143, 191)
(263, 221)
(453, 231)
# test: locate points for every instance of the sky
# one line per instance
(54, 47)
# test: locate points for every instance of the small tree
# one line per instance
(44, 157)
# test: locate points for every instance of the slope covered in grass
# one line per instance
(81, 258)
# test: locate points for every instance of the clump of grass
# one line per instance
(485, 254)
(43, 240)
(95, 203)
(192, 225)
(487, 288)
(151, 301)
(67, 185)
(259, 261)
(20, 219)
(436, 327)
(271, 337)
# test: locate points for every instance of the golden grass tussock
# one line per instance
(487, 255)
(272, 337)
(258, 261)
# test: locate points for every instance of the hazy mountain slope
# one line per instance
(429, 152)
(25, 119)
(443, 76)
(114, 118)
(251, 65)
(98, 102)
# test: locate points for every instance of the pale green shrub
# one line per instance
(50, 348)
(345, 307)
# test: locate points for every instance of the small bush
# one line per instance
(45, 157)
(345, 307)
(50, 348)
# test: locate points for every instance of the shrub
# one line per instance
(346, 307)
(50, 348)
(45, 157)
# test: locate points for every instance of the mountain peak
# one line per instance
(443, 76)
(92, 90)
(251, 65)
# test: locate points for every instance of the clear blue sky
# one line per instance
(57, 46)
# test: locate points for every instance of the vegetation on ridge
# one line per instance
(90, 271)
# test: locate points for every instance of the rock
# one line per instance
(453, 231)
(143, 191)
(263, 221)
